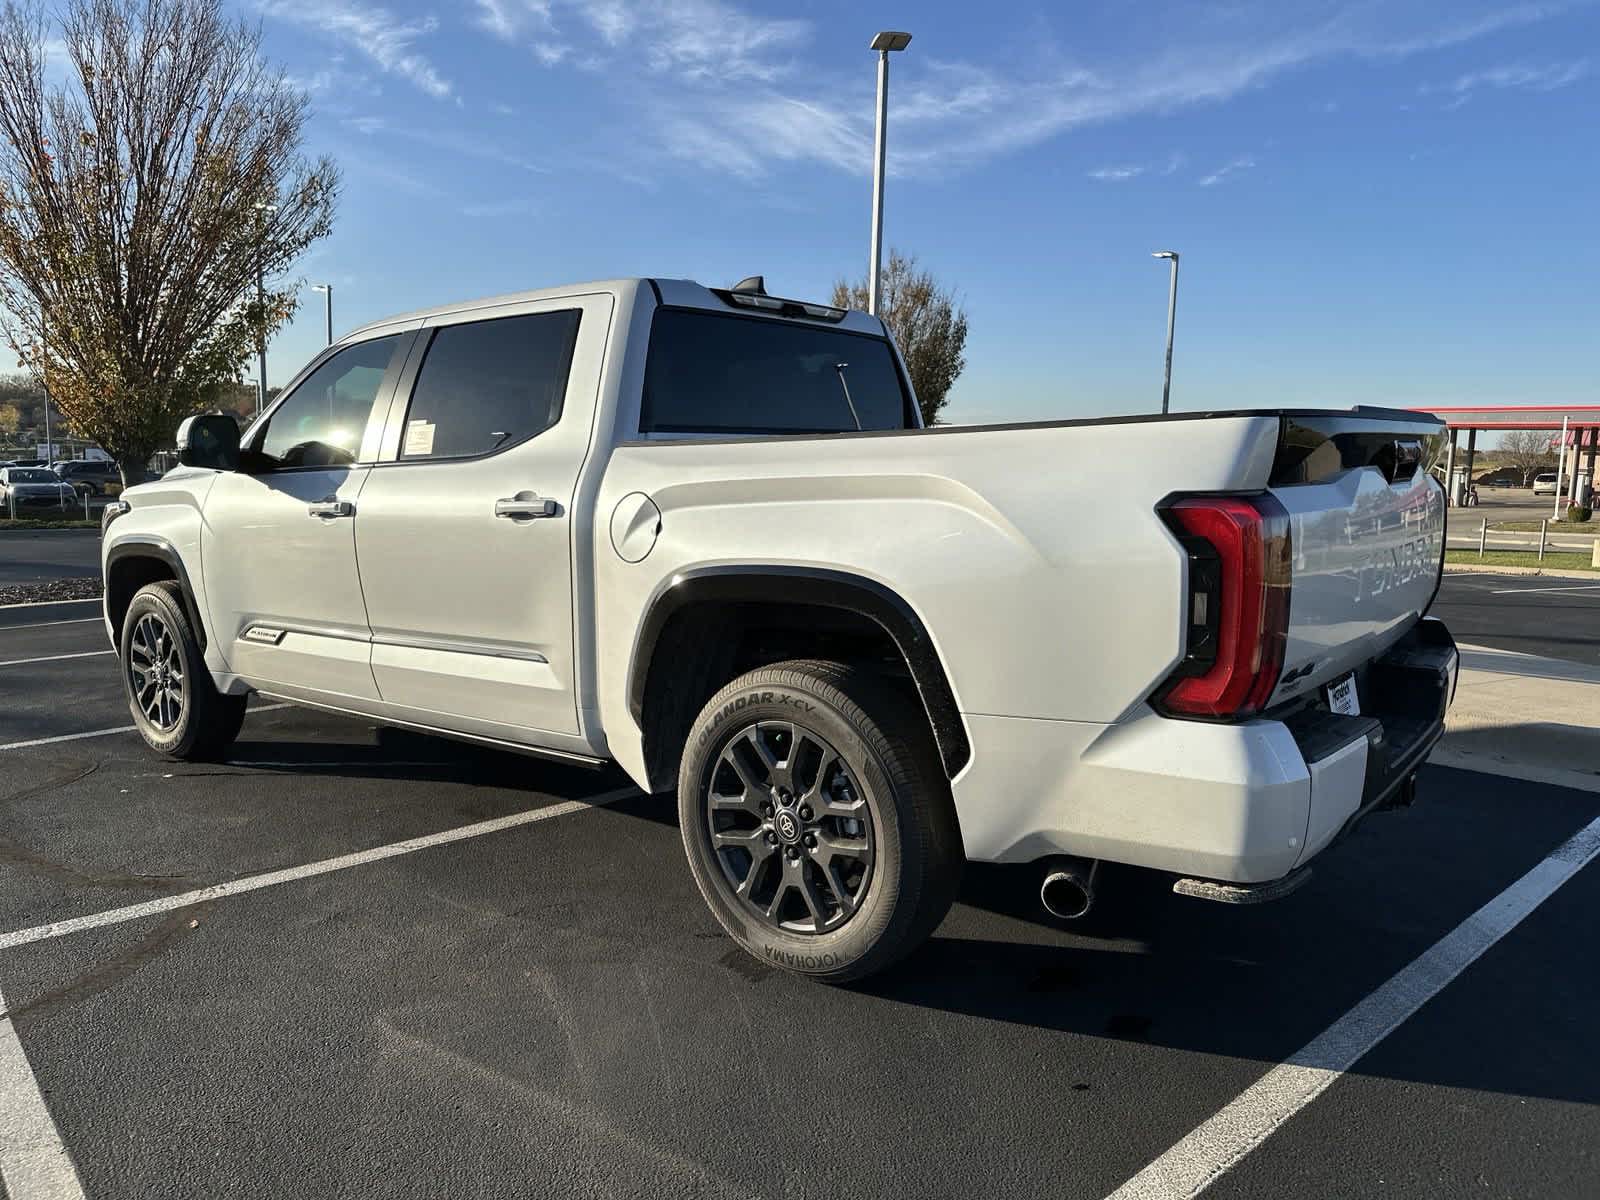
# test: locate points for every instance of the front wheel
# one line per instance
(817, 819)
(176, 708)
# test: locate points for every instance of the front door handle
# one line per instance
(332, 508)
(524, 505)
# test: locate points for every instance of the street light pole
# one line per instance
(1172, 319)
(261, 306)
(884, 43)
(327, 290)
(1561, 460)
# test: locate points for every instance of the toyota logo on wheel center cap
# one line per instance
(787, 827)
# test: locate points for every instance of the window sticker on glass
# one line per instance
(419, 438)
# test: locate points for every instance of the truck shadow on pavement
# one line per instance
(1149, 968)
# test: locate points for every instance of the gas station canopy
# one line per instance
(1517, 416)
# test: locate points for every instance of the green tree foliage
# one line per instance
(137, 201)
(928, 325)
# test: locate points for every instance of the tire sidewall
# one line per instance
(732, 712)
(178, 740)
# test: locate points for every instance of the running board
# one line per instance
(1242, 893)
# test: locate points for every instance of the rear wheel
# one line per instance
(817, 819)
(176, 708)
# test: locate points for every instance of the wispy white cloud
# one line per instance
(1546, 77)
(949, 115)
(388, 40)
(550, 53)
(509, 19)
(451, 141)
(1222, 172)
(1119, 174)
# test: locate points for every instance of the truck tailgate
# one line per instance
(1367, 526)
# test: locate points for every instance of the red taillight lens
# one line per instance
(1238, 618)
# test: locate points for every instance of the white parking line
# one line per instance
(44, 603)
(94, 733)
(254, 883)
(23, 662)
(47, 624)
(34, 1165)
(1581, 587)
(1209, 1151)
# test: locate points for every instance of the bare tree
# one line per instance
(137, 202)
(928, 325)
(1528, 451)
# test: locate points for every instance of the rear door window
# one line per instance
(710, 373)
(486, 385)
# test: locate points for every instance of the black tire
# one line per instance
(159, 656)
(882, 903)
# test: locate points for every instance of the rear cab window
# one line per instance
(488, 385)
(716, 373)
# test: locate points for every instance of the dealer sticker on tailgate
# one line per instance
(1342, 696)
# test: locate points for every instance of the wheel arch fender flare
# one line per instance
(820, 587)
(134, 546)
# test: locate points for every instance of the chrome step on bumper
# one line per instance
(1242, 893)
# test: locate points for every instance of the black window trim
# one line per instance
(735, 431)
(382, 399)
(406, 387)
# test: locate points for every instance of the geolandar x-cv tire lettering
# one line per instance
(175, 705)
(817, 821)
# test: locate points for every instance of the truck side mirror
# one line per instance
(210, 440)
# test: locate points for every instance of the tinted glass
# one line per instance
(709, 373)
(489, 384)
(322, 421)
(34, 475)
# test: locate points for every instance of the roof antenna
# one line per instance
(854, 416)
(753, 285)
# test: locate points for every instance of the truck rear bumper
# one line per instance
(1240, 803)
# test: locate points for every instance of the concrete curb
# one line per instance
(1525, 716)
(1547, 572)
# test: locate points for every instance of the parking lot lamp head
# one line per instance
(884, 43)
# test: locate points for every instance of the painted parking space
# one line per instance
(549, 1007)
(1554, 618)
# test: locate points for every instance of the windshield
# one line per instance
(30, 476)
(714, 373)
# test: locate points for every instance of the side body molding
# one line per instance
(822, 588)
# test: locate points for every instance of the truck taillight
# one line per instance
(1237, 607)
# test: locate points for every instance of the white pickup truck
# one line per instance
(699, 532)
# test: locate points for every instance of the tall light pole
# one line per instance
(327, 290)
(884, 43)
(261, 305)
(1172, 319)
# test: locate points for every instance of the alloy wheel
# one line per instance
(790, 828)
(155, 673)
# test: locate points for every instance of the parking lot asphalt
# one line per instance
(1533, 614)
(34, 555)
(547, 1008)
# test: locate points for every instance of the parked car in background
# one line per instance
(33, 487)
(1545, 484)
(91, 477)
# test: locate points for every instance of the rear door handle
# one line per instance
(332, 508)
(524, 505)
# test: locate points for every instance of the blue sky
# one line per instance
(1390, 201)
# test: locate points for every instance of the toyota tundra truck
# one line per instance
(702, 533)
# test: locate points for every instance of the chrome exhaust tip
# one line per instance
(1067, 892)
